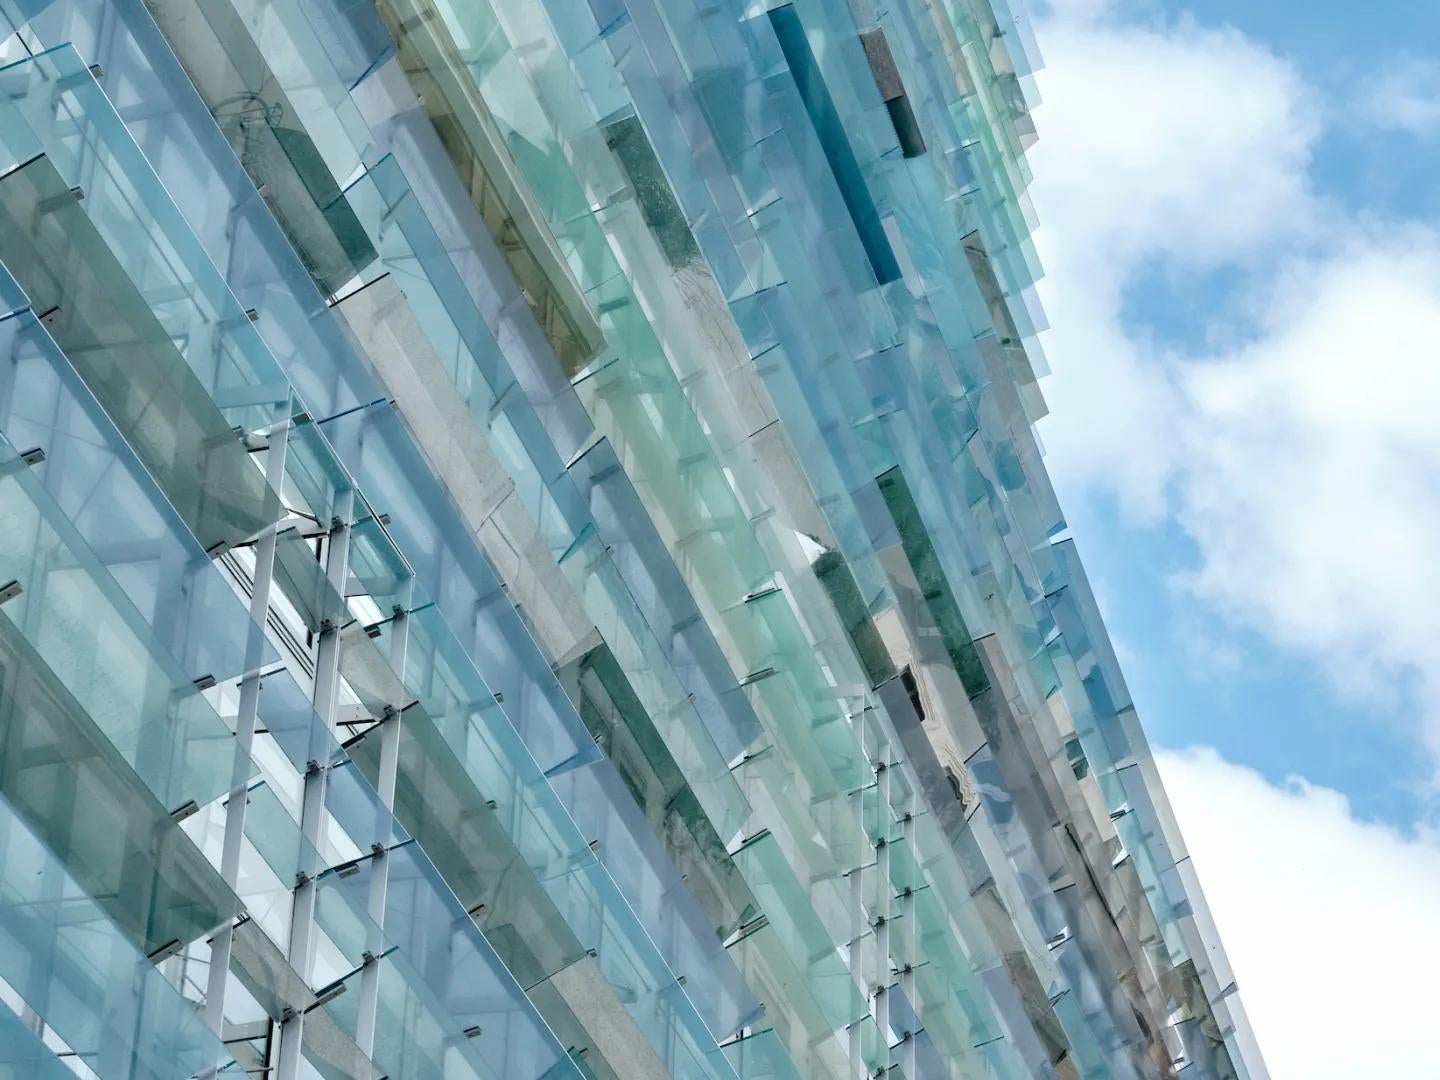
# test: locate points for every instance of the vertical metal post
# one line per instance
(380, 868)
(220, 944)
(909, 930)
(312, 811)
(882, 916)
(857, 931)
(858, 926)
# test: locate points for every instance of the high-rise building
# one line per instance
(524, 554)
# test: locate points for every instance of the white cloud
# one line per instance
(1183, 141)
(1311, 464)
(1404, 98)
(1298, 446)
(1329, 922)
(1185, 145)
(1296, 442)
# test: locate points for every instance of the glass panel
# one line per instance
(202, 175)
(440, 974)
(451, 958)
(356, 808)
(569, 1029)
(469, 719)
(834, 574)
(625, 955)
(440, 807)
(86, 141)
(23, 1055)
(638, 552)
(277, 836)
(809, 1036)
(378, 568)
(419, 1045)
(85, 630)
(466, 714)
(934, 586)
(432, 63)
(333, 1053)
(233, 74)
(761, 1056)
(265, 973)
(70, 964)
(96, 481)
(299, 572)
(128, 359)
(622, 728)
(289, 717)
(792, 951)
(430, 534)
(313, 473)
(77, 795)
(365, 665)
(341, 910)
(833, 139)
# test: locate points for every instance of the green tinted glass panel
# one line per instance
(76, 793)
(438, 804)
(99, 648)
(127, 358)
(622, 728)
(299, 572)
(64, 957)
(234, 77)
(936, 588)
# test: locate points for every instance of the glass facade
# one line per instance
(524, 553)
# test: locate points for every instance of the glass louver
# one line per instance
(523, 553)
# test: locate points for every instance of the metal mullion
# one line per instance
(857, 931)
(312, 813)
(380, 869)
(245, 725)
(882, 917)
(909, 928)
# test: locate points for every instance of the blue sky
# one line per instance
(1240, 224)
(1343, 49)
